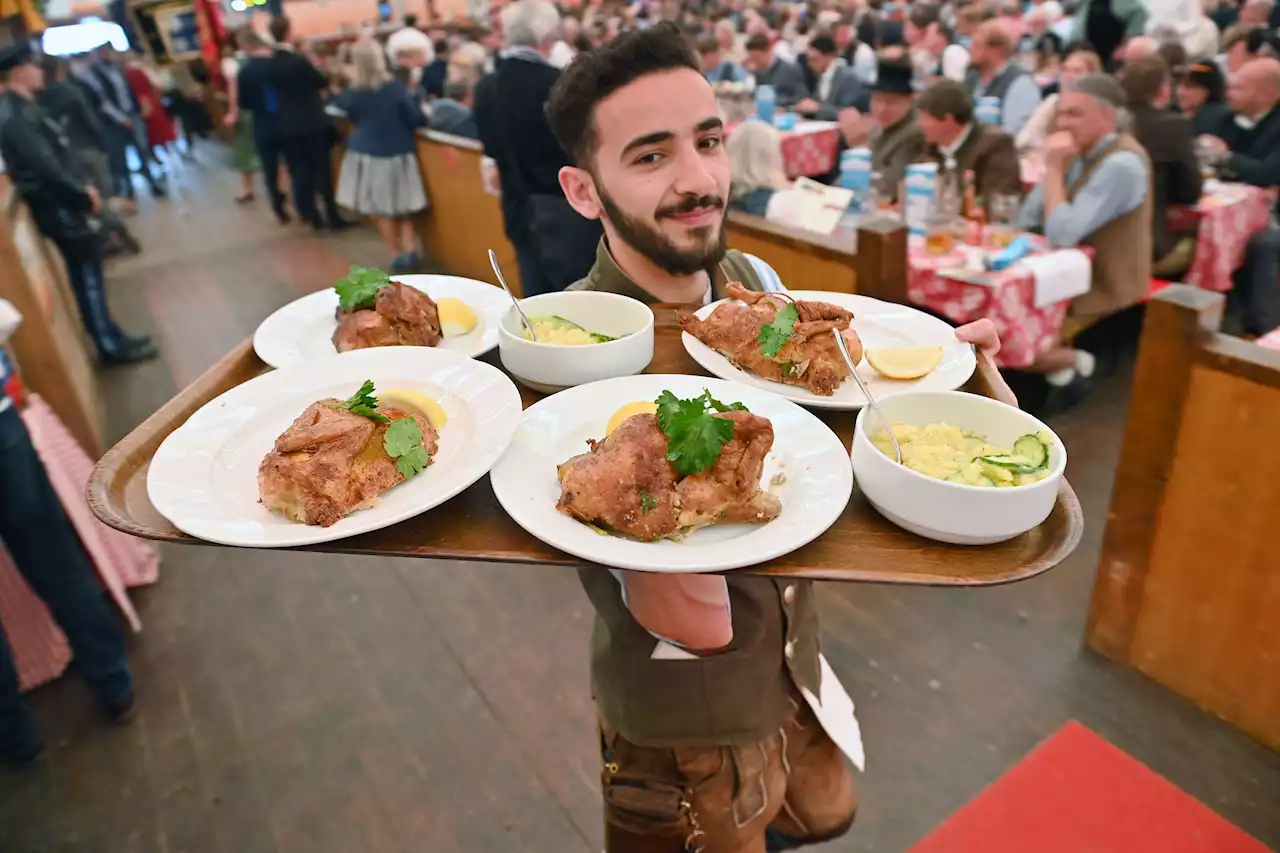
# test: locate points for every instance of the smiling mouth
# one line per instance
(695, 216)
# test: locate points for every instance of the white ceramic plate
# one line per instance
(204, 477)
(302, 331)
(819, 478)
(878, 324)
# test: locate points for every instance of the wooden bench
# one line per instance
(1188, 585)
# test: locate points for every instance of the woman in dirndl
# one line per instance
(379, 176)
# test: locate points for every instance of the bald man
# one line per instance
(1138, 48)
(992, 75)
(1249, 151)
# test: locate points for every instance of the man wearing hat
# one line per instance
(63, 201)
(896, 140)
(1095, 192)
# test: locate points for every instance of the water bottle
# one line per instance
(988, 110)
(855, 174)
(921, 189)
(766, 103)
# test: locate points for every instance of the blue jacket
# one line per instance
(449, 116)
(383, 119)
(755, 202)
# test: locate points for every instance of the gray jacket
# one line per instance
(846, 91)
(787, 82)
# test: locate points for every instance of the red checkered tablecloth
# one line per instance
(810, 149)
(1225, 219)
(1009, 302)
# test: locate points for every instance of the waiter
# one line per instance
(63, 201)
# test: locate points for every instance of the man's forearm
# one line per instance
(1055, 189)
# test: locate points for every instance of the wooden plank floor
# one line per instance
(295, 703)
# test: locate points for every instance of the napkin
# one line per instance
(1061, 275)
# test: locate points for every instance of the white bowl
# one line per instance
(552, 367)
(953, 512)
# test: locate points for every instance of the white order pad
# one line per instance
(1060, 275)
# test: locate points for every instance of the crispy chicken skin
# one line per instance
(810, 359)
(331, 462)
(608, 486)
(401, 316)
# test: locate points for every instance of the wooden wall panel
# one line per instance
(803, 262)
(1209, 627)
(464, 221)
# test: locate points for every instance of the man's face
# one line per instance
(888, 108)
(978, 53)
(711, 60)
(1244, 94)
(1084, 118)
(843, 36)
(759, 60)
(1254, 15)
(913, 34)
(1191, 97)
(937, 131)
(28, 75)
(819, 61)
(660, 175)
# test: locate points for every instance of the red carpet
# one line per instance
(1076, 793)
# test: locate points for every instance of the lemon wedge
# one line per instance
(627, 411)
(904, 362)
(456, 317)
(414, 401)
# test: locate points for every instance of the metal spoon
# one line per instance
(853, 368)
(493, 262)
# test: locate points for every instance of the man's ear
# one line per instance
(580, 191)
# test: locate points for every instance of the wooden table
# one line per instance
(861, 546)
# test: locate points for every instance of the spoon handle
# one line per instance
(493, 262)
(866, 392)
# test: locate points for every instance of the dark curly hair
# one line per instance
(596, 75)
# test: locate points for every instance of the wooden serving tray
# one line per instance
(860, 546)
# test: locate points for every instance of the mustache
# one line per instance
(690, 204)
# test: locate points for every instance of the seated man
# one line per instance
(770, 70)
(1175, 171)
(1095, 193)
(1249, 151)
(715, 66)
(832, 85)
(895, 139)
(452, 113)
(993, 74)
(944, 114)
(642, 128)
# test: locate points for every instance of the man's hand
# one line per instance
(1059, 148)
(231, 118)
(1214, 146)
(982, 333)
(807, 107)
(95, 199)
(854, 126)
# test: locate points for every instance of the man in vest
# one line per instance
(896, 140)
(833, 86)
(993, 75)
(1095, 192)
(719, 726)
(769, 69)
(944, 114)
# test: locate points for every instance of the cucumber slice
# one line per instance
(957, 477)
(1033, 449)
(1016, 463)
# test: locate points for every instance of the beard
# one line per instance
(649, 241)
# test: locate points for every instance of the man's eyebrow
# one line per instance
(710, 123)
(648, 139)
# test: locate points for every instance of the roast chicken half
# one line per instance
(625, 483)
(401, 316)
(809, 358)
(331, 462)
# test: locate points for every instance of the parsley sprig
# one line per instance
(403, 438)
(403, 443)
(363, 403)
(647, 502)
(776, 334)
(360, 288)
(694, 436)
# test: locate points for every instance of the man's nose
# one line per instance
(694, 176)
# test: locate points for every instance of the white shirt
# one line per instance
(409, 39)
(949, 151)
(955, 62)
(825, 81)
(561, 54)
